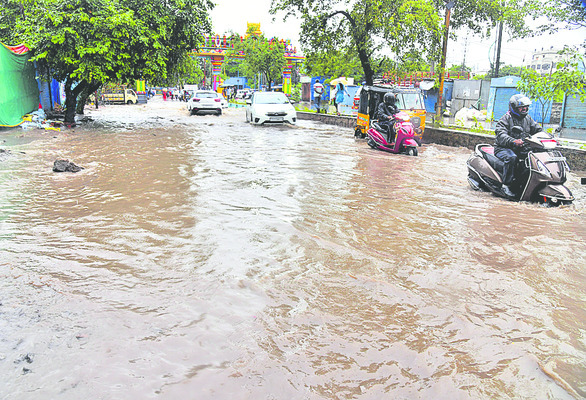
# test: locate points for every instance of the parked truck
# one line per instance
(124, 96)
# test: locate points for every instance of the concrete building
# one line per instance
(544, 61)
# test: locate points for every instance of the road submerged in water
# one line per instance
(203, 257)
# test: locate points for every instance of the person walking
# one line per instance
(339, 98)
(318, 91)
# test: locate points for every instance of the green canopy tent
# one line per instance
(19, 92)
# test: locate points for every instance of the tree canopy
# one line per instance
(569, 13)
(259, 55)
(397, 35)
(86, 43)
(367, 28)
(334, 63)
(566, 80)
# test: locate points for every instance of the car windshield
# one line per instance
(411, 100)
(206, 95)
(270, 98)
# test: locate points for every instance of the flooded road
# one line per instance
(204, 258)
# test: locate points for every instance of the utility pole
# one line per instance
(440, 100)
(463, 66)
(498, 51)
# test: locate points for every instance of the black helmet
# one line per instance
(390, 99)
(519, 105)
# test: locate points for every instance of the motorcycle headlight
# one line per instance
(416, 121)
(543, 169)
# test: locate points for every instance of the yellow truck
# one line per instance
(124, 96)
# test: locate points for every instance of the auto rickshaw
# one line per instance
(409, 100)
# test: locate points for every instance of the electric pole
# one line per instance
(498, 51)
(439, 105)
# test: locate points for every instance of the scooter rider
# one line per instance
(385, 113)
(509, 141)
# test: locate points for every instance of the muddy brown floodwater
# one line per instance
(200, 257)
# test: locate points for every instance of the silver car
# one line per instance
(205, 101)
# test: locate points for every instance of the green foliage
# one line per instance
(506, 70)
(367, 28)
(459, 68)
(566, 80)
(481, 17)
(333, 63)
(260, 56)
(10, 12)
(569, 13)
(408, 31)
(86, 43)
(296, 91)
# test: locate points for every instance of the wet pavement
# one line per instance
(203, 257)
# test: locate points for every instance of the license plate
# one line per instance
(276, 119)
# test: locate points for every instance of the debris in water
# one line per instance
(65, 166)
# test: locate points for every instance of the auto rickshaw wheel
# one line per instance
(359, 134)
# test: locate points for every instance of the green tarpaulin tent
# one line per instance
(19, 92)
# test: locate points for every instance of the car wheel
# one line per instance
(218, 113)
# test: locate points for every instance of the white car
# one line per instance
(241, 93)
(205, 100)
(270, 107)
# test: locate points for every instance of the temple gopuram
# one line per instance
(216, 48)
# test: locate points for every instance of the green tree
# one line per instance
(368, 28)
(400, 29)
(10, 12)
(333, 63)
(566, 80)
(87, 43)
(570, 13)
(459, 68)
(261, 56)
(510, 70)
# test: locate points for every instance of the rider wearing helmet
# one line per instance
(508, 141)
(385, 113)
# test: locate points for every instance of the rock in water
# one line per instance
(65, 166)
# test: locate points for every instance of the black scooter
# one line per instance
(540, 172)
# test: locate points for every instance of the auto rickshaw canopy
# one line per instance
(407, 98)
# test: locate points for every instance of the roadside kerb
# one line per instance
(448, 137)
(576, 157)
(338, 120)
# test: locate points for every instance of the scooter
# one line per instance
(540, 172)
(405, 140)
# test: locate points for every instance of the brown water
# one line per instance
(204, 258)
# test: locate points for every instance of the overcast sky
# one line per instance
(234, 14)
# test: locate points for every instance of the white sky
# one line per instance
(234, 14)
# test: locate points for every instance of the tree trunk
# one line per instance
(70, 103)
(84, 95)
(366, 67)
(71, 99)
